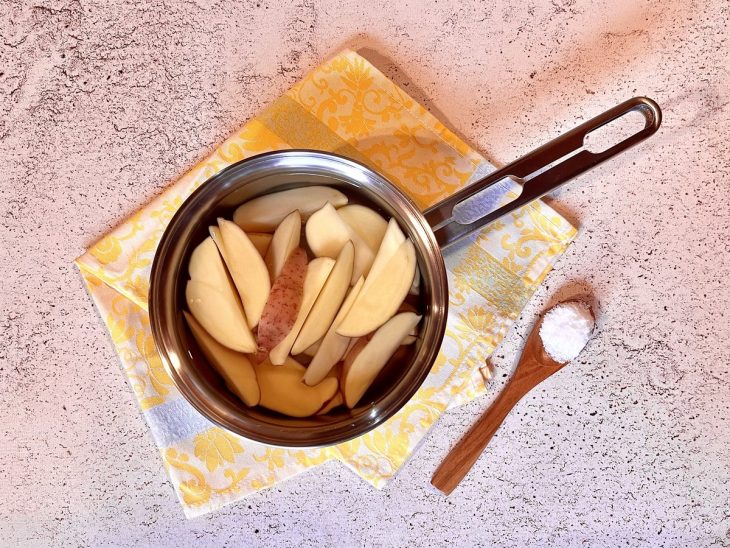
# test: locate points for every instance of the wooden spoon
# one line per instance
(534, 366)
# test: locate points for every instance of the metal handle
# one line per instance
(562, 161)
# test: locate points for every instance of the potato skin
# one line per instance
(282, 307)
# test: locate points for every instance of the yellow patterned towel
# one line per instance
(345, 106)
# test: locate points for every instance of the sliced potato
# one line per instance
(392, 240)
(312, 350)
(265, 213)
(261, 241)
(368, 223)
(284, 302)
(213, 300)
(333, 346)
(317, 273)
(247, 269)
(206, 265)
(363, 364)
(235, 368)
(337, 400)
(282, 389)
(379, 300)
(328, 302)
(220, 314)
(284, 241)
(410, 339)
(327, 234)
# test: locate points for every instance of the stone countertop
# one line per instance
(103, 103)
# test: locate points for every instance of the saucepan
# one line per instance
(440, 226)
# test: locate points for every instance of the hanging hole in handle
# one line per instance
(489, 199)
(616, 131)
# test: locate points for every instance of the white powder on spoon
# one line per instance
(566, 329)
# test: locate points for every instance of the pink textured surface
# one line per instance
(102, 104)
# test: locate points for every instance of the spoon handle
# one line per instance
(532, 369)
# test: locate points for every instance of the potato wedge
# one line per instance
(328, 302)
(368, 223)
(337, 400)
(327, 234)
(247, 269)
(284, 241)
(235, 368)
(392, 240)
(265, 213)
(379, 300)
(363, 364)
(284, 302)
(260, 241)
(213, 300)
(282, 389)
(221, 315)
(312, 350)
(317, 273)
(333, 346)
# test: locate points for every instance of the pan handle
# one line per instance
(542, 170)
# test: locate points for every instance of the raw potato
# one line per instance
(284, 241)
(336, 401)
(317, 273)
(333, 346)
(247, 269)
(265, 213)
(206, 265)
(213, 300)
(390, 243)
(234, 367)
(361, 368)
(410, 339)
(282, 307)
(215, 233)
(312, 350)
(220, 314)
(327, 234)
(368, 224)
(380, 299)
(260, 241)
(328, 302)
(282, 389)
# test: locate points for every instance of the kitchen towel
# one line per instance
(345, 106)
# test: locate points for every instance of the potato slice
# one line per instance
(213, 300)
(327, 234)
(410, 339)
(392, 240)
(284, 302)
(362, 367)
(235, 368)
(284, 241)
(333, 346)
(282, 389)
(368, 224)
(379, 300)
(337, 400)
(221, 315)
(265, 213)
(328, 302)
(247, 269)
(260, 241)
(317, 273)
(312, 350)
(206, 265)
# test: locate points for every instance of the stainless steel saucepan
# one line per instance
(539, 172)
